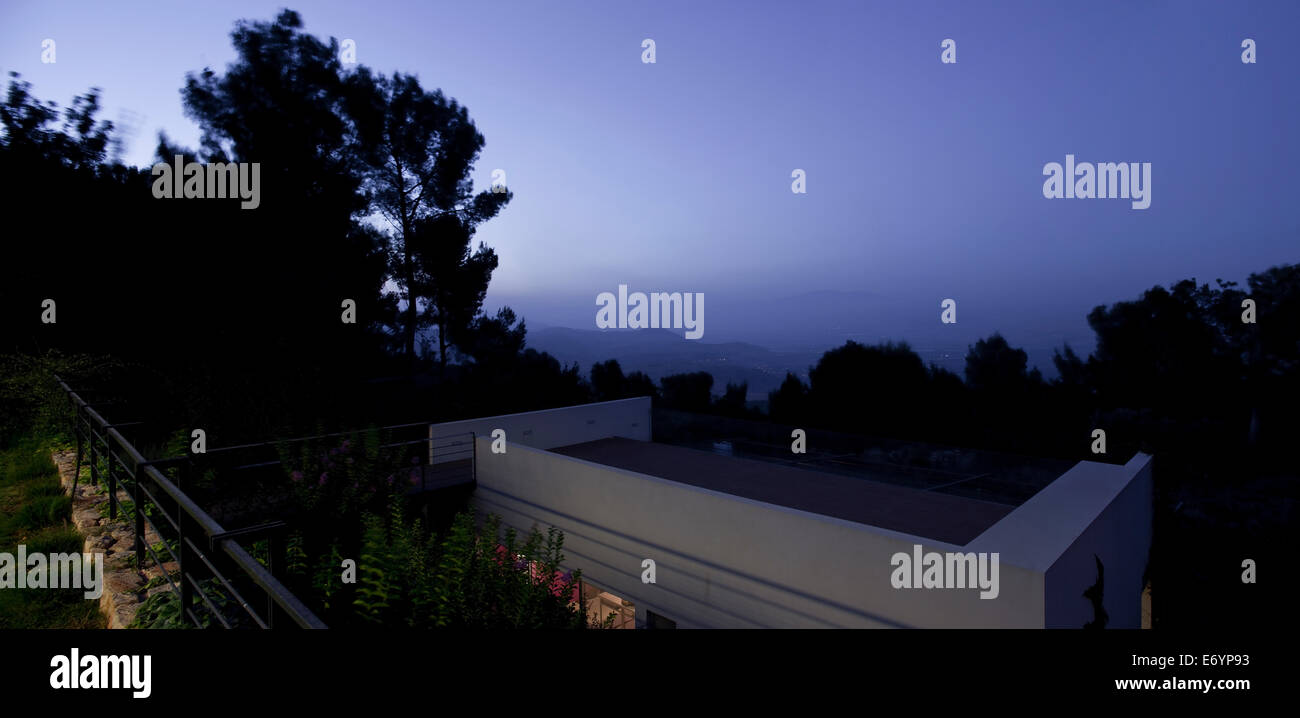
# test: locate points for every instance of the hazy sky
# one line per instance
(924, 180)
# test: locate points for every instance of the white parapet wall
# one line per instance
(731, 562)
(549, 428)
(1092, 513)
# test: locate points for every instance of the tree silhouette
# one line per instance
(282, 104)
(419, 148)
(993, 365)
(789, 402)
(607, 380)
(734, 400)
(872, 389)
(687, 392)
(1149, 351)
(494, 342)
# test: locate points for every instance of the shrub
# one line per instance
(31, 403)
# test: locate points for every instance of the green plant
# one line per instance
(29, 460)
(476, 577)
(33, 513)
(337, 480)
(160, 580)
(42, 490)
(60, 539)
(167, 550)
(31, 402)
(161, 610)
(42, 512)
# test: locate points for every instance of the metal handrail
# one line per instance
(98, 430)
(95, 435)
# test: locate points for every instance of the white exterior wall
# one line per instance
(730, 562)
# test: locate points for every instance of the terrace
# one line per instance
(743, 542)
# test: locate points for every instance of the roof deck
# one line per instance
(943, 517)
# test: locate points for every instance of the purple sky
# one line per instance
(924, 179)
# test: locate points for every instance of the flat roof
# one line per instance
(943, 517)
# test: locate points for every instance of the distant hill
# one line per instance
(660, 352)
(767, 335)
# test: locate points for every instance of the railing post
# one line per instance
(76, 431)
(274, 565)
(136, 498)
(111, 481)
(90, 451)
(182, 551)
(473, 457)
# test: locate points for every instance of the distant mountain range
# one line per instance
(758, 338)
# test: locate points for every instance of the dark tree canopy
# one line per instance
(242, 308)
(789, 403)
(870, 388)
(609, 383)
(687, 392)
(418, 150)
(994, 365)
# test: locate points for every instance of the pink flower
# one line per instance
(296, 475)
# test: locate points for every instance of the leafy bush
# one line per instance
(474, 578)
(31, 403)
(161, 610)
(336, 481)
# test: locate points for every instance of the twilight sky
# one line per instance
(924, 180)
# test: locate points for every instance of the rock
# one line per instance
(85, 518)
(120, 562)
(122, 582)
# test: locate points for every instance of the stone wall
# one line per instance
(124, 585)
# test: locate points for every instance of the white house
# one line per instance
(741, 543)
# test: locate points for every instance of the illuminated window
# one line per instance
(606, 609)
